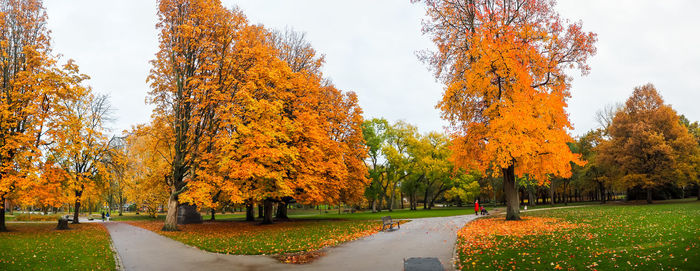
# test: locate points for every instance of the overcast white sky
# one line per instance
(370, 48)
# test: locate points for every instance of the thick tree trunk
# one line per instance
(76, 212)
(267, 209)
(649, 190)
(374, 205)
(249, 212)
(282, 210)
(391, 201)
(171, 218)
(551, 193)
(213, 211)
(3, 227)
(121, 205)
(379, 204)
(260, 210)
(511, 193)
(532, 200)
(602, 192)
(425, 199)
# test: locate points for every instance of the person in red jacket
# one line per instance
(476, 207)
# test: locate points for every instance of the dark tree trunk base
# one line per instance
(249, 212)
(282, 210)
(267, 218)
(511, 194)
(62, 224)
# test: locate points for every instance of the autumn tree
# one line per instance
(269, 132)
(80, 146)
(184, 84)
(595, 172)
(146, 168)
(648, 145)
(504, 65)
(31, 86)
(339, 146)
(694, 130)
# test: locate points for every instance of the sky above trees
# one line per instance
(370, 48)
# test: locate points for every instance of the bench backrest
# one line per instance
(386, 218)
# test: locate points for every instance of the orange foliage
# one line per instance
(31, 90)
(250, 120)
(504, 65)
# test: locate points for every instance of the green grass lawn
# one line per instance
(396, 214)
(627, 237)
(251, 238)
(38, 246)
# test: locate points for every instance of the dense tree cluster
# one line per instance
(244, 115)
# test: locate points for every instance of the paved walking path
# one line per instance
(140, 249)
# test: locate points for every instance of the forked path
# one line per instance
(140, 249)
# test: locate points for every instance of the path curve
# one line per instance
(140, 249)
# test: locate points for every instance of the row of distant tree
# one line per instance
(642, 150)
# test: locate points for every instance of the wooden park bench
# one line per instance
(386, 220)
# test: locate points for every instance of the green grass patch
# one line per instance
(251, 238)
(628, 237)
(38, 246)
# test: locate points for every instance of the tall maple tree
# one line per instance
(184, 84)
(504, 66)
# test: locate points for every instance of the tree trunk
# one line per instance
(698, 191)
(282, 210)
(267, 217)
(3, 227)
(249, 212)
(76, 212)
(391, 201)
(602, 192)
(121, 205)
(532, 199)
(425, 199)
(374, 205)
(649, 190)
(213, 211)
(551, 193)
(511, 193)
(260, 210)
(379, 204)
(171, 218)
(402, 201)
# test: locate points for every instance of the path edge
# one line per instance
(119, 265)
